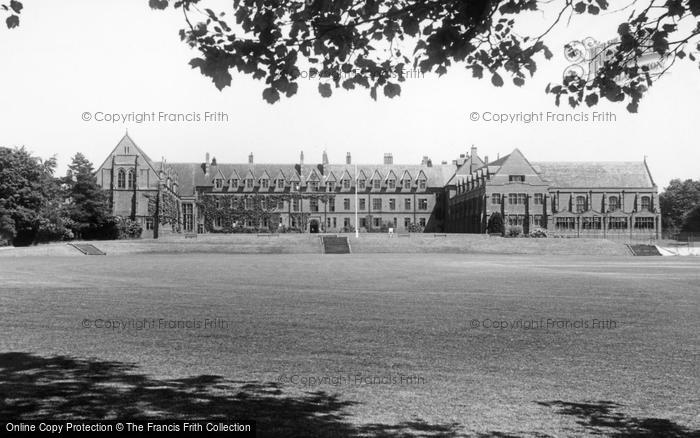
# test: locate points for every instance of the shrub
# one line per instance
(495, 225)
(415, 228)
(538, 232)
(514, 231)
(348, 229)
(127, 229)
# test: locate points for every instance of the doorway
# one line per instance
(313, 226)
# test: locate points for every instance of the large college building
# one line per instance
(607, 199)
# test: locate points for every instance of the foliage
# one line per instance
(677, 200)
(12, 9)
(370, 44)
(415, 228)
(691, 220)
(30, 199)
(348, 229)
(495, 224)
(514, 231)
(538, 233)
(127, 228)
(89, 210)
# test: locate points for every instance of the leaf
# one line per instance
(12, 21)
(392, 90)
(16, 6)
(519, 81)
(497, 80)
(591, 100)
(325, 90)
(271, 95)
(158, 4)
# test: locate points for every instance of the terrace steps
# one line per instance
(335, 245)
(644, 250)
(87, 249)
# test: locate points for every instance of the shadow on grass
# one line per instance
(605, 418)
(57, 388)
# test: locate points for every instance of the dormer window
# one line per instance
(613, 203)
(218, 183)
(407, 184)
(280, 183)
(265, 183)
(249, 183)
(313, 185)
(391, 183)
(361, 184)
(376, 184)
(346, 184)
(330, 186)
(234, 183)
(422, 184)
(646, 203)
(516, 178)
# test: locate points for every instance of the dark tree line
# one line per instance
(680, 206)
(36, 206)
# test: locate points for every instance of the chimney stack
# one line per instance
(426, 161)
(324, 160)
(388, 159)
(348, 159)
(473, 154)
(486, 159)
(301, 158)
(250, 158)
(206, 164)
(206, 159)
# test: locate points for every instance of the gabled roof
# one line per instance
(361, 175)
(234, 175)
(376, 176)
(264, 175)
(621, 174)
(346, 176)
(250, 175)
(390, 175)
(331, 177)
(406, 176)
(281, 175)
(313, 176)
(421, 175)
(127, 141)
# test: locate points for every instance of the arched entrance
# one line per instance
(313, 226)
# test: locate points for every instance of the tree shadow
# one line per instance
(63, 388)
(605, 418)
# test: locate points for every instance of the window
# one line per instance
(646, 203)
(121, 179)
(591, 223)
(496, 198)
(522, 198)
(407, 184)
(331, 204)
(406, 222)
(131, 180)
(516, 178)
(247, 203)
(187, 217)
(376, 184)
(580, 204)
(363, 204)
(217, 203)
(363, 222)
(218, 222)
(346, 184)
(346, 222)
(421, 222)
(377, 222)
(422, 204)
(330, 186)
(218, 183)
(407, 203)
(295, 187)
(265, 183)
(328, 222)
(644, 223)
(234, 183)
(565, 223)
(421, 184)
(313, 185)
(614, 204)
(538, 221)
(313, 204)
(346, 204)
(396, 222)
(391, 183)
(538, 199)
(149, 223)
(280, 183)
(295, 204)
(249, 183)
(280, 204)
(512, 198)
(392, 204)
(361, 184)
(376, 204)
(617, 223)
(516, 220)
(335, 222)
(293, 222)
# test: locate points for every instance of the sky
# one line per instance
(71, 58)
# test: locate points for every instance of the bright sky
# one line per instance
(68, 58)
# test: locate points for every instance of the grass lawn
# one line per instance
(359, 345)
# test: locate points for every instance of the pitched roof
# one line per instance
(632, 174)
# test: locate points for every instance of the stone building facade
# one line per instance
(573, 199)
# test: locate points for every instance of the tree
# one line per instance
(30, 197)
(371, 43)
(89, 210)
(691, 221)
(677, 200)
(495, 224)
(12, 10)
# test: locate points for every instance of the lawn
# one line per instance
(358, 345)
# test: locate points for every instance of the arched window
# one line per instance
(646, 203)
(580, 204)
(121, 179)
(131, 181)
(613, 203)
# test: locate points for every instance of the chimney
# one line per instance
(486, 159)
(348, 159)
(250, 158)
(301, 158)
(324, 163)
(473, 153)
(206, 164)
(213, 161)
(424, 161)
(388, 159)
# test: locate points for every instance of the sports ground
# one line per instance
(358, 345)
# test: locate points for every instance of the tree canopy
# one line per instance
(370, 44)
(676, 202)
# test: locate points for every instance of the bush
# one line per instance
(128, 229)
(538, 233)
(495, 225)
(415, 228)
(348, 229)
(514, 231)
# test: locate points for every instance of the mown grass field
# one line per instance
(401, 344)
